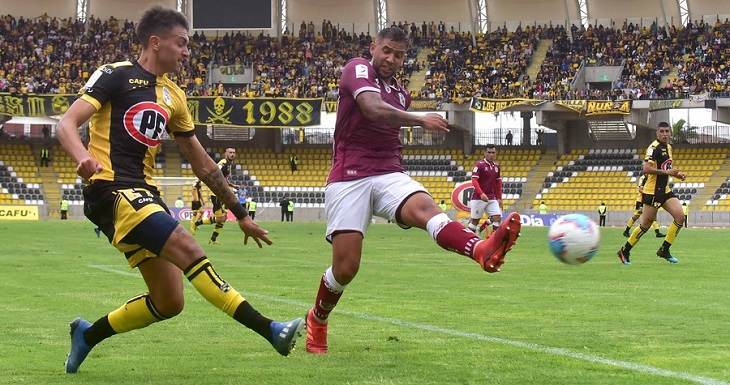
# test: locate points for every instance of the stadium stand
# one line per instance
(19, 179)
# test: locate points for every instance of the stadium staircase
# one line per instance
(418, 79)
(538, 57)
(673, 72)
(170, 161)
(49, 181)
(535, 180)
(52, 190)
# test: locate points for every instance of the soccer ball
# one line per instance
(574, 238)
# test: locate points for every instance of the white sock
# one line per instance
(331, 282)
(436, 223)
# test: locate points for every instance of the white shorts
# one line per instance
(479, 207)
(350, 205)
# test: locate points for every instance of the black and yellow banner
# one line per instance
(18, 213)
(656, 105)
(330, 106)
(608, 107)
(576, 105)
(496, 105)
(34, 105)
(255, 112)
(236, 112)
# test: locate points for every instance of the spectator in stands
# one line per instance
(64, 208)
(179, 203)
(486, 177)
(509, 137)
(543, 208)
(149, 237)
(293, 160)
(45, 157)
(539, 132)
(367, 178)
(602, 210)
(284, 204)
(657, 193)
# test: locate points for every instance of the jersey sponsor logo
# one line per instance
(166, 97)
(361, 71)
(461, 195)
(402, 100)
(666, 165)
(145, 122)
(141, 82)
(92, 80)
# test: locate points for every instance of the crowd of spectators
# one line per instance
(51, 55)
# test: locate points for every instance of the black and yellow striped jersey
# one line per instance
(640, 188)
(133, 107)
(197, 190)
(226, 166)
(658, 155)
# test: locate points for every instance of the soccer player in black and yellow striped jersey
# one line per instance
(220, 213)
(196, 206)
(130, 104)
(638, 209)
(656, 193)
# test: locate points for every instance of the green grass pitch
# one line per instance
(415, 314)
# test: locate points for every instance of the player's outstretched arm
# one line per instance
(208, 172)
(375, 109)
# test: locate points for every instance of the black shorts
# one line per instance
(658, 200)
(639, 207)
(196, 205)
(219, 209)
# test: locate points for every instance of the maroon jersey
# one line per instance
(362, 147)
(486, 175)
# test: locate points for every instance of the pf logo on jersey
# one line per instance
(145, 122)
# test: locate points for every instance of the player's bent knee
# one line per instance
(170, 307)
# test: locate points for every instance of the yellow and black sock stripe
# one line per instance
(214, 289)
(137, 313)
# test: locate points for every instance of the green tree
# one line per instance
(682, 133)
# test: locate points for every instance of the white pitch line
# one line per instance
(525, 345)
(109, 269)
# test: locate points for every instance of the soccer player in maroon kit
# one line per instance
(487, 198)
(367, 178)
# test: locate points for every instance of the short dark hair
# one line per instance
(158, 20)
(490, 145)
(393, 33)
(663, 124)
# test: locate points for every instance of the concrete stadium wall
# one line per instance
(62, 9)
(620, 10)
(542, 11)
(699, 8)
(352, 15)
(418, 11)
(124, 9)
